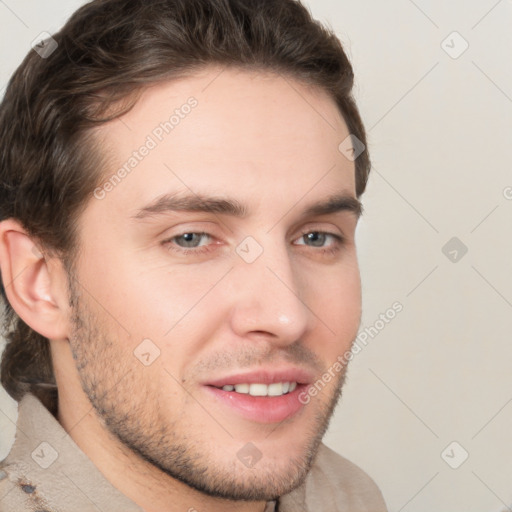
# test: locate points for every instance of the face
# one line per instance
(217, 279)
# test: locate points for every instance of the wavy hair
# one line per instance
(106, 54)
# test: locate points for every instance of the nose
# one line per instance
(269, 301)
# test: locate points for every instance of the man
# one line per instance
(180, 184)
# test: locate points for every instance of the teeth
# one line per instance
(259, 389)
(275, 389)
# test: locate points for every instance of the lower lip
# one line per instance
(262, 409)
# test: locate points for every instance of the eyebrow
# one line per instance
(169, 203)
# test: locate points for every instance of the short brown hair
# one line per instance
(107, 52)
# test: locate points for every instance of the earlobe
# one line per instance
(34, 288)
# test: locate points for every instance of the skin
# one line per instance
(271, 144)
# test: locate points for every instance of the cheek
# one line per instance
(338, 306)
(168, 314)
(138, 298)
(145, 299)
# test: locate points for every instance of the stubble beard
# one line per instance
(122, 403)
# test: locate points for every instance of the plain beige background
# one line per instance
(433, 385)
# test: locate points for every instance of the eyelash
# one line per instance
(334, 249)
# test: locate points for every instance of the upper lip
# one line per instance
(264, 376)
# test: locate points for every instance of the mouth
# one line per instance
(261, 389)
(262, 396)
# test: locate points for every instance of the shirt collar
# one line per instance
(46, 457)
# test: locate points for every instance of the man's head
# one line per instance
(178, 219)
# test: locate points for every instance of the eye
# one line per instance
(319, 238)
(190, 240)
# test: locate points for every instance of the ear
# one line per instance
(35, 285)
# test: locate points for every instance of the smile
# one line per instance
(260, 389)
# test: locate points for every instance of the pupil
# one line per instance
(188, 239)
(315, 237)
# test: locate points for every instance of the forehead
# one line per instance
(225, 131)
